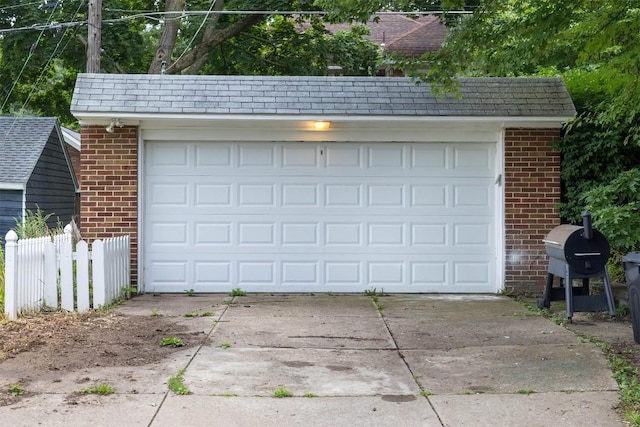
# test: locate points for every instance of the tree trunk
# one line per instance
(167, 39)
(209, 31)
(214, 40)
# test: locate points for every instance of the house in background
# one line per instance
(72, 141)
(398, 34)
(35, 171)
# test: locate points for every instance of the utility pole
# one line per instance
(94, 39)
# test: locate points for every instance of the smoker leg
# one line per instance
(609, 294)
(568, 293)
(585, 286)
(545, 302)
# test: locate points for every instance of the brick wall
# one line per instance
(532, 190)
(109, 186)
(109, 172)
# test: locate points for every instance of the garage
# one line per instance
(322, 184)
(310, 217)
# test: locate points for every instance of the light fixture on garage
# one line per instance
(321, 125)
(114, 123)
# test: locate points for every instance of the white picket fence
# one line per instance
(44, 272)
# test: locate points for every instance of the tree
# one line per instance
(594, 46)
(41, 58)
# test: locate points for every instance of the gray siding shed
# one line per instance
(35, 171)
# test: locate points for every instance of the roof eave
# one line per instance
(12, 186)
(128, 118)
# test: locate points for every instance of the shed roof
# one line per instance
(22, 140)
(132, 95)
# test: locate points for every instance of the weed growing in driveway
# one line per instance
(15, 390)
(526, 391)
(373, 293)
(102, 389)
(623, 371)
(425, 393)
(197, 313)
(190, 292)
(155, 312)
(309, 395)
(176, 384)
(229, 302)
(171, 342)
(237, 292)
(282, 392)
(225, 345)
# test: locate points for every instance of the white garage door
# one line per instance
(403, 217)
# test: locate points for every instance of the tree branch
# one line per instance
(215, 39)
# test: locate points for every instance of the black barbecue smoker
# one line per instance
(577, 253)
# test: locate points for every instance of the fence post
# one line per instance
(82, 275)
(10, 276)
(50, 275)
(66, 273)
(98, 274)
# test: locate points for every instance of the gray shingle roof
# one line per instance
(124, 95)
(22, 140)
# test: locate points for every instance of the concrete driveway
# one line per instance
(349, 360)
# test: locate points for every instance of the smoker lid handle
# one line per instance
(587, 254)
(551, 242)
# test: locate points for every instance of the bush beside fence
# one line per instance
(48, 272)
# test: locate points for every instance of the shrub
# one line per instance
(616, 213)
(36, 224)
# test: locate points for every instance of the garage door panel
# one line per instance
(406, 217)
(383, 197)
(322, 234)
(342, 273)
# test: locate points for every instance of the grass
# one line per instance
(101, 389)
(237, 292)
(373, 293)
(190, 292)
(281, 392)
(176, 384)
(155, 312)
(15, 390)
(309, 395)
(172, 342)
(425, 393)
(526, 391)
(623, 372)
(197, 313)
(225, 345)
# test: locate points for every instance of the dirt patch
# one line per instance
(43, 344)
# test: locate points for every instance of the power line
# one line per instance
(158, 16)
(46, 66)
(26, 61)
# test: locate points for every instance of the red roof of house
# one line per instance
(402, 34)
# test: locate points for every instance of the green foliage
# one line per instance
(176, 384)
(39, 65)
(172, 342)
(15, 390)
(353, 53)
(37, 224)
(102, 389)
(282, 392)
(616, 210)
(237, 292)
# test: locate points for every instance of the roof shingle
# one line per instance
(22, 140)
(298, 95)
